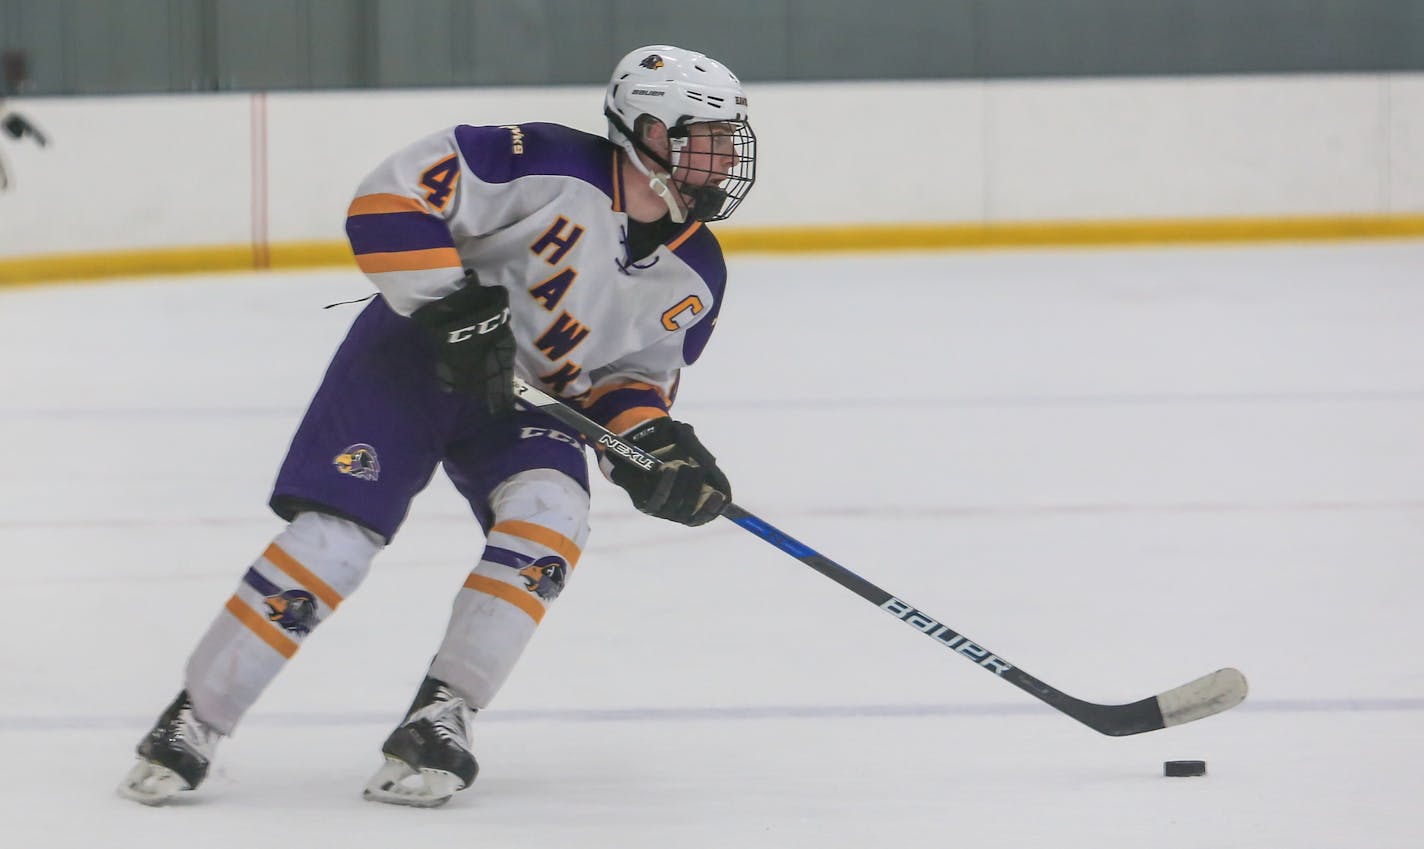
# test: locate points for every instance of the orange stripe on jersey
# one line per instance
(258, 625)
(617, 184)
(378, 203)
(565, 547)
(304, 576)
(631, 418)
(686, 234)
(425, 260)
(594, 395)
(521, 599)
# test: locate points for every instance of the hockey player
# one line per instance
(16, 126)
(14, 73)
(580, 264)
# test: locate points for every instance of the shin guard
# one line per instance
(297, 582)
(540, 528)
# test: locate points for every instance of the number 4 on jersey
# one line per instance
(441, 179)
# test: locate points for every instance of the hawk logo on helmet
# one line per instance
(652, 62)
(293, 610)
(358, 461)
(545, 577)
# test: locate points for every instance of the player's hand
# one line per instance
(473, 341)
(17, 127)
(688, 488)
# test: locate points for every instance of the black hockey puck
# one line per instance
(1183, 769)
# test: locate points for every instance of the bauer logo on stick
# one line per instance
(626, 451)
(946, 635)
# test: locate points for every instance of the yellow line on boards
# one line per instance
(870, 237)
(202, 259)
(22, 270)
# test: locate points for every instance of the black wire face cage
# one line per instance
(726, 186)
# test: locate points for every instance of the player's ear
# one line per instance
(652, 132)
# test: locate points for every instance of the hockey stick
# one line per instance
(1207, 695)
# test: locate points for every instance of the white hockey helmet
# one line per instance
(681, 89)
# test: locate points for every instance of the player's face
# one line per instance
(709, 155)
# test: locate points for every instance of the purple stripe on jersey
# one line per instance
(703, 254)
(610, 406)
(503, 154)
(254, 579)
(505, 557)
(388, 232)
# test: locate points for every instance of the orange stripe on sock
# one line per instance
(302, 575)
(565, 547)
(268, 632)
(504, 592)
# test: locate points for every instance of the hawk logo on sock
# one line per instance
(545, 577)
(293, 610)
(358, 461)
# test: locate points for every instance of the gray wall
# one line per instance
(126, 46)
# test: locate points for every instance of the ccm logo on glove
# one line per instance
(489, 325)
(473, 341)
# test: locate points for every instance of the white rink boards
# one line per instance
(1120, 469)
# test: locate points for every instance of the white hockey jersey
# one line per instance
(537, 208)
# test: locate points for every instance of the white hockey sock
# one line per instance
(297, 582)
(540, 528)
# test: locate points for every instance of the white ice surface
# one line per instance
(1121, 470)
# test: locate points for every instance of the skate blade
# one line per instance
(395, 783)
(149, 783)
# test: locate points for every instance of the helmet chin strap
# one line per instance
(705, 202)
(661, 184)
(658, 182)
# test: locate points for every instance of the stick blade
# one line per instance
(1207, 696)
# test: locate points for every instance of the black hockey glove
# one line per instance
(688, 488)
(17, 128)
(474, 342)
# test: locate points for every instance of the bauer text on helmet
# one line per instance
(682, 118)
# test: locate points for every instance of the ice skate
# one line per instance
(173, 757)
(428, 756)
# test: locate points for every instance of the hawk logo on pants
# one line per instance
(545, 577)
(293, 610)
(358, 461)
